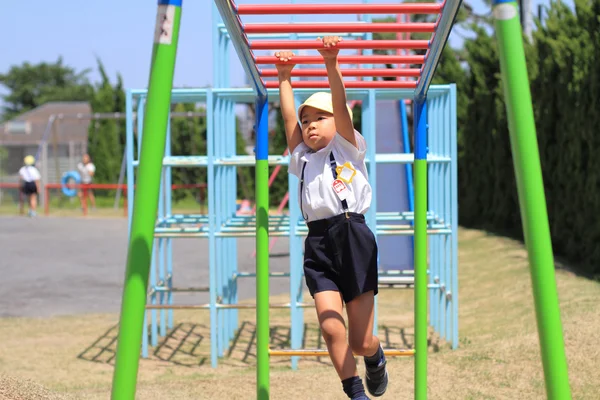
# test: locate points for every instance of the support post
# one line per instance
(146, 201)
(420, 252)
(262, 248)
(532, 199)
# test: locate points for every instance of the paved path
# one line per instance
(56, 266)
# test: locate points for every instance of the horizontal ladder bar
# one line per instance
(347, 60)
(233, 161)
(348, 84)
(324, 352)
(407, 72)
(284, 233)
(412, 27)
(281, 9)
(253, 275)
(349, 44)
(225, 306)
(176, 289)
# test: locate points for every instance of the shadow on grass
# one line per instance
(188, 345)
(103, 349)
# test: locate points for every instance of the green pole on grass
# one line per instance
(532, 200)
(145, 204)
(420, 247)
(262, 249)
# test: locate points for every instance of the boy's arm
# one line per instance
(293, 133)
(343, 120)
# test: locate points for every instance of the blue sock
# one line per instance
(376, 359)
(354, 388)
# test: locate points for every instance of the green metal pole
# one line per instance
(420, 248)
(532, 200)
(262, 249)
(145, 205)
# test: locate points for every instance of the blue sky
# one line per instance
(120, 33)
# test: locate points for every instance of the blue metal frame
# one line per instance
(221, 225)
(406, 146)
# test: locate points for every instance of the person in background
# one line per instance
(87, 169)
(29, 179)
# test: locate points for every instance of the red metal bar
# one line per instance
(347, 60)
(349, 84)
(121, 186)
(350, 44)
(405, 8)
(46, 200)
(340, 28)
(348, 72)
(107, 186)
(7, 185)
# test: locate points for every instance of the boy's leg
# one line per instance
(81, 198)
(92, 198)
(329, 311)
(33, 204)
(363, 342)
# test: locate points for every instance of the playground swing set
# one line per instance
(434, 162)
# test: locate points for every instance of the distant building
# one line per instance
(56, 133)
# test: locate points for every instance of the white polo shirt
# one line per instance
(318, 197)
(86, 171)
(29, 174)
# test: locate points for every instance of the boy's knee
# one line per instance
(361, 346)
(332, 330)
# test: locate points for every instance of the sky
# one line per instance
(120, 33)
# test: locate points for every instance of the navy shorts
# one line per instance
(29, 188)
(340, 254)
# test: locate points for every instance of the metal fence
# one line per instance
(58, 147)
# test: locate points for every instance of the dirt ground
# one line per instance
(72, 356)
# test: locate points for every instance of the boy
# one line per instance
(340, 255)
(29, 177)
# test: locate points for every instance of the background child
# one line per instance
(340, 261)
(29, 178)
(87, 169)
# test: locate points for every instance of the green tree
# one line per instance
(245, 175)
(562, 61)
(277, 146)
(31, 85)
(188, 138)
(3, 156)
(104, 143)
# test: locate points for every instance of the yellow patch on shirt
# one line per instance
(346, 172)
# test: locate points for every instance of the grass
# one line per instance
(498, 358)
(61, 206)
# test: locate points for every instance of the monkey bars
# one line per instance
(243, 38)
(352, 44)
(247, 40)
(348, 60)
(403, 8)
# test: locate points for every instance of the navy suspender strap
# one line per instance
(333, 165)
(302, 191)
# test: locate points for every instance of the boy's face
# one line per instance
(318, 127)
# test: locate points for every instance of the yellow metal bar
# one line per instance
(233, 306)
(324, 352)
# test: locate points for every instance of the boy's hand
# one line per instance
(285, 57)
(330, 52)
